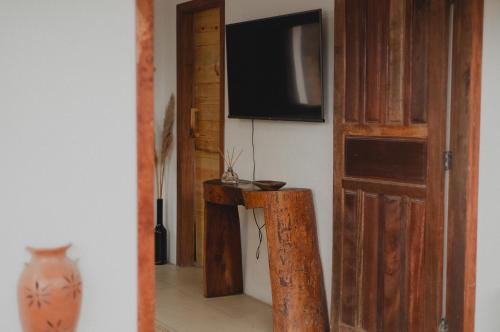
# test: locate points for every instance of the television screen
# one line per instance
(275, 68)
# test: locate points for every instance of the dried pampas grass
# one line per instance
(162, 152)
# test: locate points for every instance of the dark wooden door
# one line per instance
(391, 64)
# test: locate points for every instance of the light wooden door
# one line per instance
(200, 117)
(390, 117)
(206, 111)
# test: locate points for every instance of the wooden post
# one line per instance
(145, 167)
(299, 302)
(465, 126)
(222, 268)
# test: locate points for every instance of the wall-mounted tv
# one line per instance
(275, 68)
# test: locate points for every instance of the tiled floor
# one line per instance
(181, 307)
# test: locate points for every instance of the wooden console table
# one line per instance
(299, 302)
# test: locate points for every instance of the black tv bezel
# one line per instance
(322, 76)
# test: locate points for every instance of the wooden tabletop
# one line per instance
(244, 185)
(233, 194)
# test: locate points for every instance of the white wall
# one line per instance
(67, 147)
(299, 153)
(488, 268)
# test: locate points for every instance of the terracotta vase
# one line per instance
(50, 292)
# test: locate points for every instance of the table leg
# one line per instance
(299, 300)
(222, 270)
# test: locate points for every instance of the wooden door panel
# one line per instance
(200, 116)
(207, 27)
(375, 56)
(392, 271)
(207, 68)
(370, 262)
(350, 240)
(382, 256)
(207, 94)
(387, 71)
(390, 109)
(206, 101)
(355, 67)
(416, 231)
(396, 63)
(418, 50)
(386, 159)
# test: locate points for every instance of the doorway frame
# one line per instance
(145, 166)
(464, 174)
(466, 108)
(185, 157)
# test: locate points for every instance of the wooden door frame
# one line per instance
(145, 163)
(465, 133)
(185, 156)
(145, 166)
(463, 191)
(466, 109)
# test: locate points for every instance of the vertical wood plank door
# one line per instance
(391, 64)
(206, 111)
(200, 117)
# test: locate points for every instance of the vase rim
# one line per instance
(49, 251)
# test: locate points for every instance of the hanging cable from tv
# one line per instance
(259, 228)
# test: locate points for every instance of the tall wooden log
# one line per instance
(299, 302)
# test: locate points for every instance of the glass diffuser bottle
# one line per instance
(230, 176)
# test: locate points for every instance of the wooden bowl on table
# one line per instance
(267, 185)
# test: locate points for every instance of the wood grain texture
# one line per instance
(376, 59)
(415, 245)
(387, 187)
(383, 256)
(350, 244)
(415, 131)
(299, 301)
(185, 146)
(466, 109)
(222, 267)
(437, 19)
(201, 85)
(223, 272)
(356, 26)
(402, 47)
(396, 62)
(369, 291)
(418, 52)
(392, 258)
(206, 87)
(145, 166)
(386, 159)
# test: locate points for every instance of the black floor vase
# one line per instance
(160, 235)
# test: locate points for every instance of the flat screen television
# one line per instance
(275, 68)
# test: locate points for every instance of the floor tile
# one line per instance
(182, 308)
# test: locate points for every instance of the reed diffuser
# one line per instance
(230, 176)
(162, 154)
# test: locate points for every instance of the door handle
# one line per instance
(194, 123)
